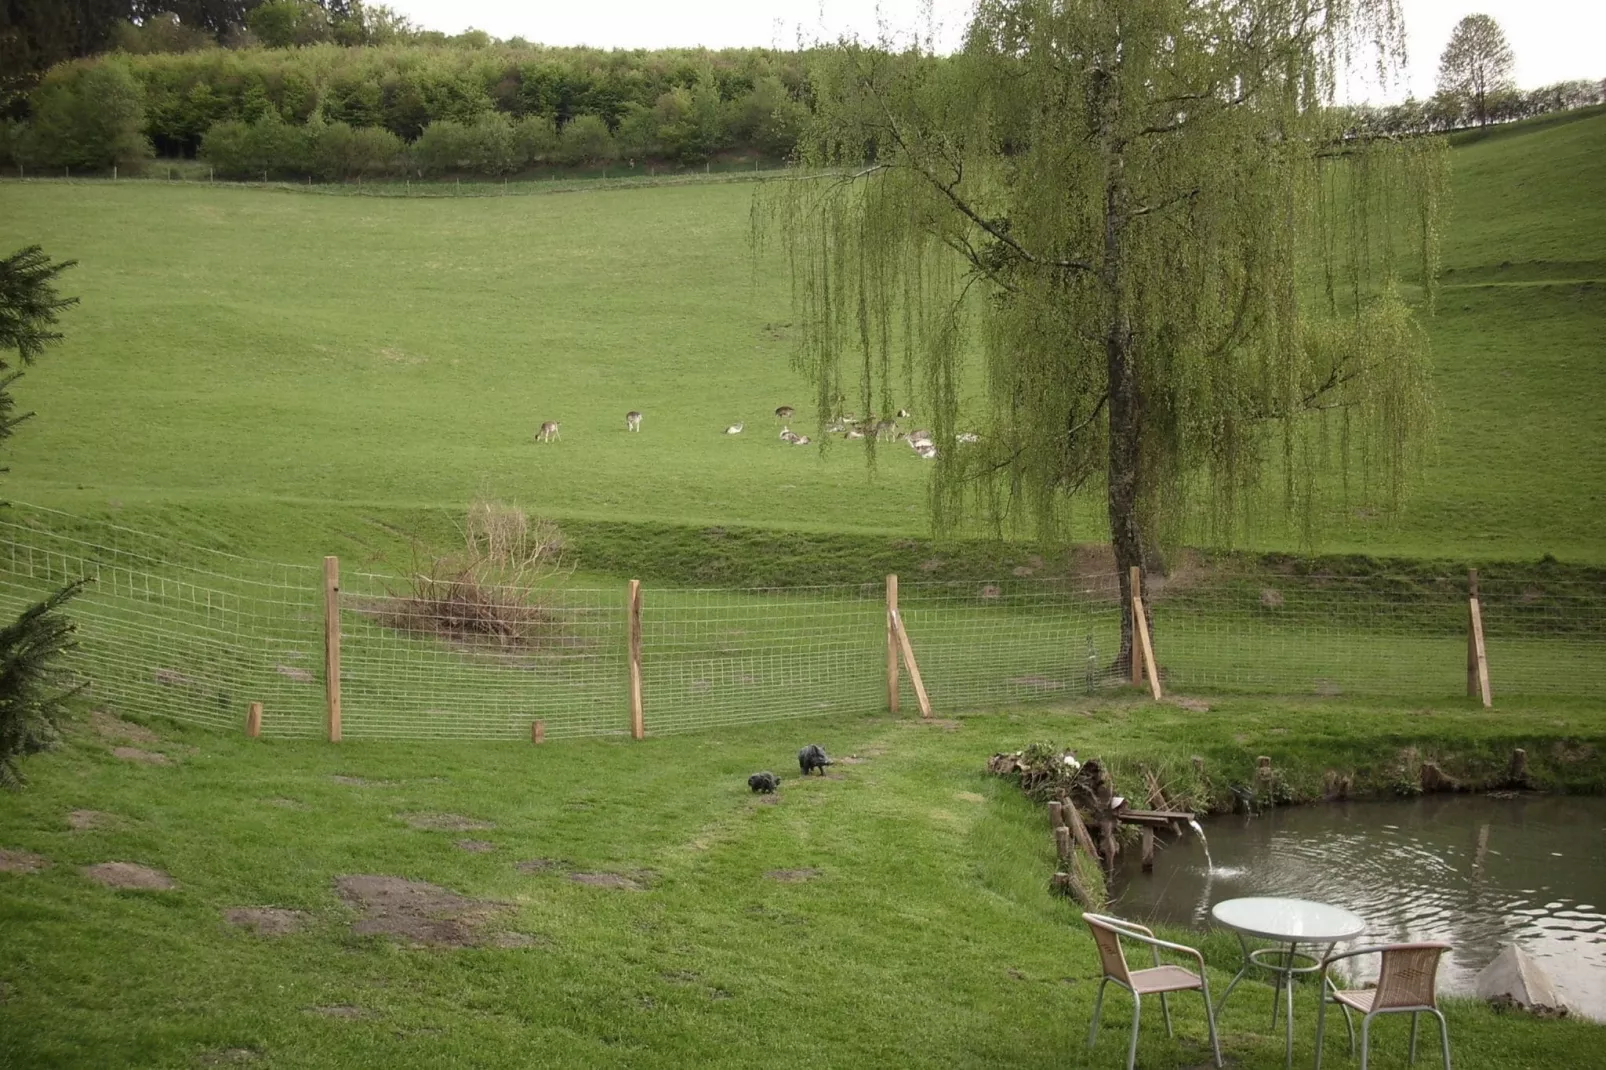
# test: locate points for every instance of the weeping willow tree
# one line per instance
(1141, 227)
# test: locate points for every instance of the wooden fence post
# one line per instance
(1142, 648)
(1477, 655)
(892, 643)
(253, 720)
(638, 728)
(331, 644)
(909, 663)
(537, 731)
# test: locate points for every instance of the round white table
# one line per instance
(1289, 923)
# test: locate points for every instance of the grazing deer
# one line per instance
(784, 412)
(632, 421)
(734, 429)
(886, 429)
(787, 435)
(548, 432)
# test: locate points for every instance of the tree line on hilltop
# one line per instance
(344, 90)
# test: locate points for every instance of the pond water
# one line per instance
(1475, 871)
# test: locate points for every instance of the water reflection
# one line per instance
(1475, 871)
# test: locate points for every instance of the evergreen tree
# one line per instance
(1138, 228)
(34, 684)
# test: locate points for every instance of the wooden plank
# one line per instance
(912, 665)
(253, 720)
(1073, 818)
(331, 646)
(892, 644)
(638, 727)
(1135, 601)
(1480, 657)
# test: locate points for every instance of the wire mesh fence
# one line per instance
(190, 633)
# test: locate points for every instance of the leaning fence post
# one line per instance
(1477, 655)
(1142, 648)
(892, 643)
(331, 643)
(638, 728)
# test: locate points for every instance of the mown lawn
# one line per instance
(291, 374)
(917, 929)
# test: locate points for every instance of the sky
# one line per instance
(1552, 39)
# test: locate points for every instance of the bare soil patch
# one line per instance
(91, 819)
(792, 876)
(130, 875)
(266, 921)
(970, 796)
(21, 861)
(110, 726)
(621, 881)
(134, 754)
(414, 910)
(943, 723)
(540, 865)
(853, 759)
(478, 847)
(446, 822)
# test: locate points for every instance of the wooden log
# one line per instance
(537, 731)
(912, 665)
(253, 720)
(1062, 842)
(1073, 818)
(331, 646)
(1435, 779)
(1142, 620)
(1148, 850)
(1153, 818)
(1157, 799)
(892, 643)
(1056, 814)
(638, 727)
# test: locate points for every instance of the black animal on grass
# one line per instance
(764, 783)
(813, 757)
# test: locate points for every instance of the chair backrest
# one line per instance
(1409, 976)
(1107, 937)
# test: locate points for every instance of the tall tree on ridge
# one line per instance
(1139, 224)
(1476, 63)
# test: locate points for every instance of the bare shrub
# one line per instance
(497, 589)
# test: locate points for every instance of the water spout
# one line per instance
(1209, 865)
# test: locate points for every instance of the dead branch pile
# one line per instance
(498, 589)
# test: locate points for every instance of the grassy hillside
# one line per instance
(893, 914)
(240, 351)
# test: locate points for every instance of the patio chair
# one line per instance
(1158, 979)
(1407, 983)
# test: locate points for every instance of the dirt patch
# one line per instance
(339, 1010)
(943, 723)
(970, 796)
(446, 822)
(359, 782)
(228, 1057)
(134, 754)
(266, 921)
(130, 875)
(413, 910)
(478, 847)
(540, 865)
(1192, 705)
(621, 881)
(290, 672)
(792, 876)
(110, 726)
(21, 861)
(91, 819)
(852, 759)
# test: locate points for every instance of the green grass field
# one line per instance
(284, 372)
(923, 934)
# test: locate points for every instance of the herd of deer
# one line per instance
(846, 425)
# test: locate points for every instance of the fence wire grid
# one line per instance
(185, 632)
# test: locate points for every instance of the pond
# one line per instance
(1476, 871)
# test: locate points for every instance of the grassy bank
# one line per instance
(896, 913)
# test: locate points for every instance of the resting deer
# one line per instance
(784, 412)
(788, 435)
(549, 432)
(734, 429)
(632, 421)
